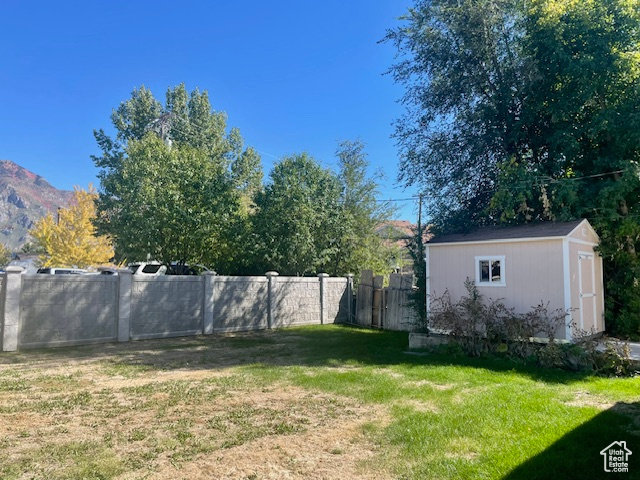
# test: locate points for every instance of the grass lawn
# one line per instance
(325, 402)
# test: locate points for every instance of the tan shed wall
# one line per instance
(574, 249)
(533, 272)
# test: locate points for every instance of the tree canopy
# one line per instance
(359, 246)
(175, 186)
(464, 81)
(310, 219)
(528, 111)
(70, 240)
(295, 222)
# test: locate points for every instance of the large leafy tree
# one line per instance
(465, 81)
(177, 203)
(587, 109)
(358, 246)
(70, 240)
(310, 219)
(296, 223)
(524, 111)
(175, 185)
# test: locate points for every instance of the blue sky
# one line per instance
(292, 76)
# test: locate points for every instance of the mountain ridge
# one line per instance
(25, 197)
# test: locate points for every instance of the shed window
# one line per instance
(490, 271)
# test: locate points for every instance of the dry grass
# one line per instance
(174, 409)
(322, 402)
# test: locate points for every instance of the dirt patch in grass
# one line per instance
(204, 352)
(391, 373)
(586, 399)
(335, 451)
(428, 383)
(346, 369)
(172, 411)
(463, 394)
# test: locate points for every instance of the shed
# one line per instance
(524, 265)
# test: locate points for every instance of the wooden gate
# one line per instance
(378, 302)
(399, 314)
(364, 299)
(387, 308)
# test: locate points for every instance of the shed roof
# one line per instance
(529, 230)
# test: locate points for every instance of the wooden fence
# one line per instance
(385, 307)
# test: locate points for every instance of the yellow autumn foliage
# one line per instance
(71, 240)
(5, 255)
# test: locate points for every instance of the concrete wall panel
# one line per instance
(67, 310)
(336, 300)
(297, 301)
(166, 306)
(239, 303)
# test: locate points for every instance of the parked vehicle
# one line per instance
(150, 268)
(184, 269)
(107, 271)
(62, 271)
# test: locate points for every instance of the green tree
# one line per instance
(296, 222)
(174, 184)
(31, 248)
(465, 85)
(418, 297)
(588, 113)
(176, 203)
(358, 245)
(585, 109)
(246, 175)
(531, 113)
(310, 219)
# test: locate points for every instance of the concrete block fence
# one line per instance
(39, 311)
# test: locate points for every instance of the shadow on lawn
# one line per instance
(577, 454)
(307, 346)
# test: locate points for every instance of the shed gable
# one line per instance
(584, 232)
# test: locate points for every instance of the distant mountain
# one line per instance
(24, 199)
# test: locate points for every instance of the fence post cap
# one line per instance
(323, 275)
(124, 271)
(349, 275)
(272, 274)
(210, 272)
(13, 269)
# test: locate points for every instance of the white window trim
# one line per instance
(503, 278)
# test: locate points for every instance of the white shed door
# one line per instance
(587, 283)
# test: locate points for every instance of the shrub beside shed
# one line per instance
(553, 262)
